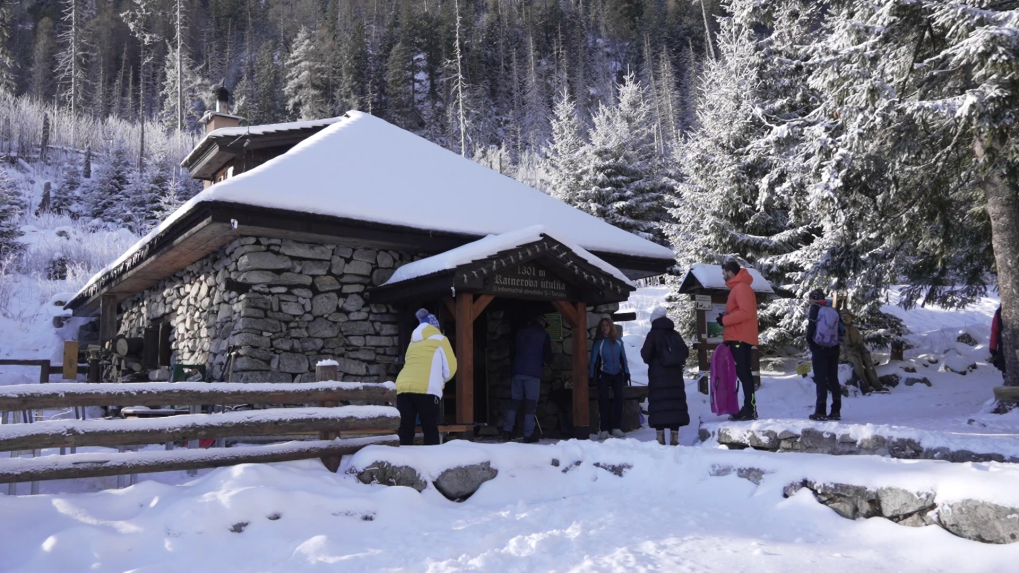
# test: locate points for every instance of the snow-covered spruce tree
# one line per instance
(170, 201)
(621, 173)
(191, 90)
(144, 194)
(6, 60)
(400, 105)
(108, 198)
(65, 194)
(10, 212)
(305, 89)
(562, 156)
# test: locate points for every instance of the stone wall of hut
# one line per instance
(267, 310)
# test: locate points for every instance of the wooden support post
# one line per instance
(465, 358)
(165, 351)
(107, 318)
(329, 373)
(70, 366)
(581, 404)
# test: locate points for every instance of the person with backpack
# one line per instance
(665, 353)
(824, 338)
(997, 349)
(739, 323)
(608, 367)
(532, 351)
(430, 363)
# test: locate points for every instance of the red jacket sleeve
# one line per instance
(744, 300)
(995, 331)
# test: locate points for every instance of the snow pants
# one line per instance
(524, 392)
(413, 406)
(611, 418)
(741, 356)
(826, 375)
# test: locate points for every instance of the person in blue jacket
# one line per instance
(532, 351)
(608, 367)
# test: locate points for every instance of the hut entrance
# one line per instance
(482, 291)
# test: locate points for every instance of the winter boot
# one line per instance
(675, 438)
(617, 433)
(661, 436)
(818, 417)
(532, 439)
(835, 417)
(507, 436)
(744, 414)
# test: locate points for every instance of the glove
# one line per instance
(719, 319)
(994, 355)
(626, 378)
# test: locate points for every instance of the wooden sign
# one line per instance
(70, 360)
(703, 301)
(528, 281)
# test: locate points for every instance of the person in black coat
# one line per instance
(665, 352)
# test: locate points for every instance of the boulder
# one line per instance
(980, 521)
(326, 283)
(324, 304)
(460, 483)
(966, 338)
(889, 380)
(614, 469)
(915, 381)
(387, 474)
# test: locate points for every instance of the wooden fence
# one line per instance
(328, 419)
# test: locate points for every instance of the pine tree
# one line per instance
(65, 194)
(563, 154)
(190, 90)
(108, 196)
(11, 208)
(400, 104)
(305, 89)
(7, 64)
(73, 58)
(621, 175)
(42, 61)
(353, 89)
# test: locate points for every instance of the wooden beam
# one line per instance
(328, 373)
(72, 466)
(568, 311)
(67, 395)
(107, 318)
(581, 405)
(480, 304)
(70, 369)
(1006, 393)
(77, 433)
(465, 358)
(450, 306)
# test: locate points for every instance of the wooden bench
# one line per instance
(443, 430)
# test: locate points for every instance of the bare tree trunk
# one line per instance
(461, 116)
(1003, 209)
(707, 31)
(180, 73)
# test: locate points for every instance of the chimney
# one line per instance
(222, 117)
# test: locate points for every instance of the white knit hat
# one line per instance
(658, 312)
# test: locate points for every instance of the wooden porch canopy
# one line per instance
(540, 270)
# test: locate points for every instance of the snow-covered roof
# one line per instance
(363, 168)
(710, 277)
(255, 130)
(491, 245)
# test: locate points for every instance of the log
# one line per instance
(107, 433)
(129, 346)
(1006, 393)
(65, 395)
(133, 365)
(73, 466)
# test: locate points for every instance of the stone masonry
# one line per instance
(278, 306)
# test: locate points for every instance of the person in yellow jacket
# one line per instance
(430, 363)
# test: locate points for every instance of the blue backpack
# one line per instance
(827, 333)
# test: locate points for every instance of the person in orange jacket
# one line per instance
(739, 322)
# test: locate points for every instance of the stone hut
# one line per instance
(266, 272)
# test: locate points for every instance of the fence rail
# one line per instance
(329, 419)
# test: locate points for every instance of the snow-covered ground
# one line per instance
(666, 514)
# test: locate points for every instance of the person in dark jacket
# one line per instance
(825, 362)
(664, 351)
(997, 349)
(608, 367)
(533, 351)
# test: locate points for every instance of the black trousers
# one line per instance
(412, 406)
(610, 419)
(741, 356)
(826, 375)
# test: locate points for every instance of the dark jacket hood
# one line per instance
(663, 323)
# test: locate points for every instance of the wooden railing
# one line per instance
(327, 418)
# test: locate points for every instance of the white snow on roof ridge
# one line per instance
(491, 245)
(345, 170)
(710, 276)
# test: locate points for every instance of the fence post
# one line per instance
(328, 371)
